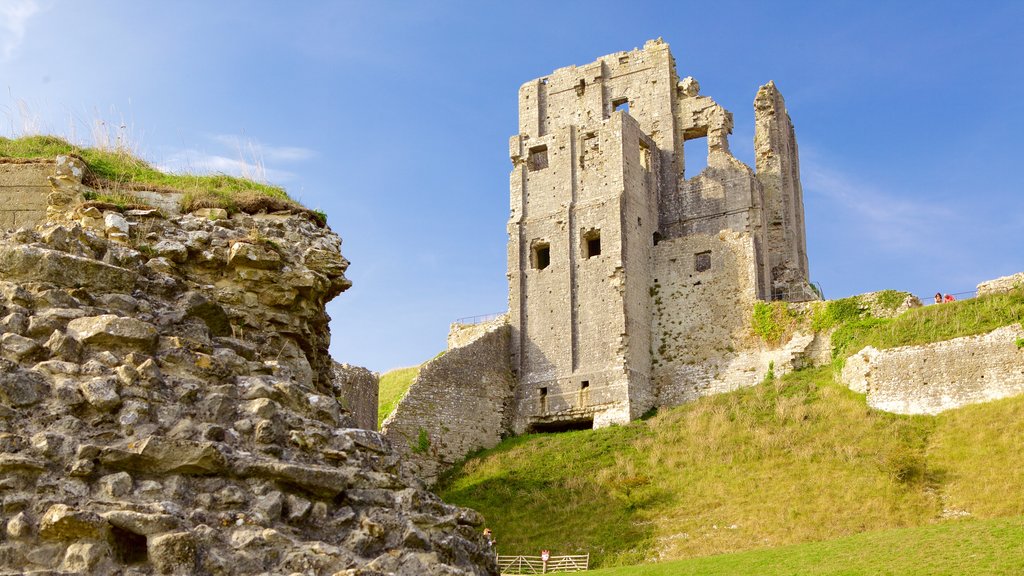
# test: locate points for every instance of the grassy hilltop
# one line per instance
(789, 462)
(115, 172)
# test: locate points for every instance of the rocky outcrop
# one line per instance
(168, 406)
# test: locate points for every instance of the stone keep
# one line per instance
(624, 268)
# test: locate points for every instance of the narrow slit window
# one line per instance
(702, 261)
(538, 159)
(656, 238)
(591, 243)
(541, 257)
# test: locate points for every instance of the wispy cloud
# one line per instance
(193, 161)
(266, 151)
(881, 217)
(238, 156)
(14, 17)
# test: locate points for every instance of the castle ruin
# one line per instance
(624, 267)
(631, 280)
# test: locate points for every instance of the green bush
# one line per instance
(890, 299)
(772, 320)
(835, 312)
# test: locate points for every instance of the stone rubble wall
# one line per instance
(459, 403)
(1003, 284)
(358, 389)
(462, 334)
(168, 406)
(932, 378)
(23, 190)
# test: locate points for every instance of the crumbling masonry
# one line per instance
(624, 269)
(631, 280)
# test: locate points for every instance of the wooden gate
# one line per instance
(535, 565)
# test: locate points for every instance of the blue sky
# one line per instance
(394, 118)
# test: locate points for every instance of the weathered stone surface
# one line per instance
(173, 553)
(158, 455)
(18, 387)
(61, 522)
(112, 330)
(102, 393)
(181, 413)
(254, 256)
(358, 387)
(141, 523)
(86, 558)
(321, 480)
(14, 347)
(31, 263)
(460, 402)
(932, 378)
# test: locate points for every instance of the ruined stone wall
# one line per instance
(459, 403)
(23, 190)
(1002, 284)
(358, 390)
(699, 314)
(570, 313)
(600, 154)
(931, 378)
(778, 171)
(462, 334)
(167, 406)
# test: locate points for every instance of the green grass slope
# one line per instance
(393, 385)
(976, 547)
(794, 461)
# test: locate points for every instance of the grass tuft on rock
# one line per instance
(117, 172)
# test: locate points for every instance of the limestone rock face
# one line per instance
(168, 406)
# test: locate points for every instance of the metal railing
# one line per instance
(537, 565)
(468, 320)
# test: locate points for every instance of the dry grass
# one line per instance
(797, 460)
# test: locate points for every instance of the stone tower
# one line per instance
(622, 270)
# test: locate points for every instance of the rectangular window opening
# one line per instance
(591, 243)
(702, 261)
(656, 238)
(620, 104)
(645, 156)
(585, 384)
(541, 255)
(695, 156)
(538, 159)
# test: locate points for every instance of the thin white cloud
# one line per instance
(14, 17)
(889, 221)
(265, 151)
(238, 156)
(191, 161)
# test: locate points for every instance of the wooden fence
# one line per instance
(534, 564)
